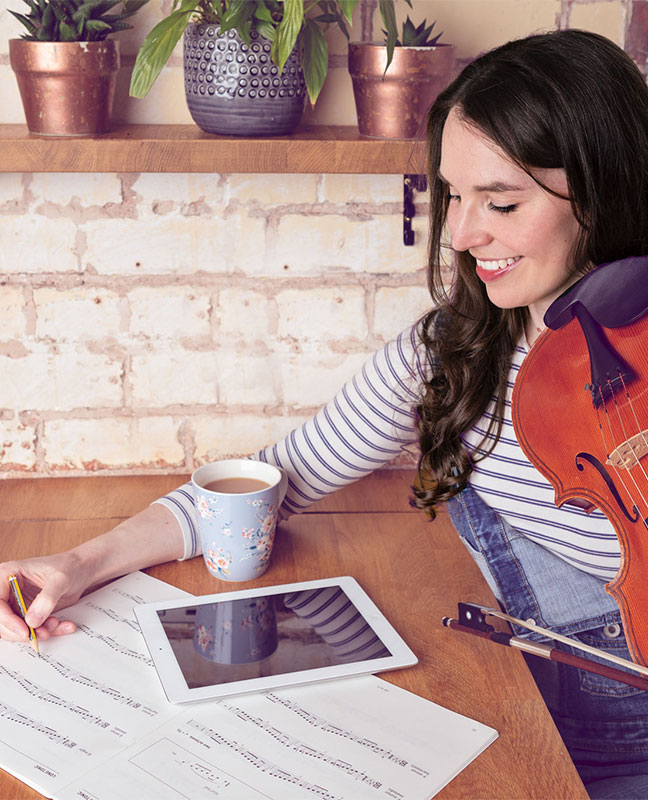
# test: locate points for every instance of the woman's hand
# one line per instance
(46, 583)
(52, 582)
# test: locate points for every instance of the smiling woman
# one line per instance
(519, 227)
(542, 145)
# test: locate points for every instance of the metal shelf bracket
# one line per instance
(411, 183)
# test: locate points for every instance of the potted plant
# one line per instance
(396, 81)
(249, 64)
(66, 66)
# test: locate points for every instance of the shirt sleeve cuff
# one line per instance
(181, 504)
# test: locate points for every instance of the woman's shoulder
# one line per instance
(407, 357)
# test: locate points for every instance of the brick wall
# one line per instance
(152, 321)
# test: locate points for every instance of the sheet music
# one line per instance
(89, 720)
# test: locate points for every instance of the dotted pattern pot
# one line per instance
(235, 89)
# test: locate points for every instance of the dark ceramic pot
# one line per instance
(235, 89)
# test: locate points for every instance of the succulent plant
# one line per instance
(75, 20)
(417, 35)
(412, 35)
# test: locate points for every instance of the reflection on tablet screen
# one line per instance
(272, 635)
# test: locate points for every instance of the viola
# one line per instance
(580, 412)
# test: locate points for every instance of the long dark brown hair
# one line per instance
(567, 99)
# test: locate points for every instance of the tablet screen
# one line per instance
(272, 634)
(268, 637)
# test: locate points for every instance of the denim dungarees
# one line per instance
(603, 723)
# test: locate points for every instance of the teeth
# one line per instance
(500, 264)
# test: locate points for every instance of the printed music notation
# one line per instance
(88, 720)
(270, 768)
(328, 727)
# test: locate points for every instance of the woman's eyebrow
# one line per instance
(495, 186)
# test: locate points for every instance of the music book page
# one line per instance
(88, 720)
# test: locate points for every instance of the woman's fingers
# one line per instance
(45, 583)
(56, 627)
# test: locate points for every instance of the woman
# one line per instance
(539, 171)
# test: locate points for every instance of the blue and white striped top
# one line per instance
(371, 421)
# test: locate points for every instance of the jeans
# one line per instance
(603, 723)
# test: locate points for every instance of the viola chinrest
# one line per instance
(614, 294)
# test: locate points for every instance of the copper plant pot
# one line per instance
(67, 88)
(394, 107)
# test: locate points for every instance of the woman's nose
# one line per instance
(466, 230)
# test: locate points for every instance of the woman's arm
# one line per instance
(368, 423)
(51, 582)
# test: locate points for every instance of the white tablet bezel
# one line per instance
(173, 681)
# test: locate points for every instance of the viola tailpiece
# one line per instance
(580, 412)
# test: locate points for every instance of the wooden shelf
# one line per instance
(185, 148)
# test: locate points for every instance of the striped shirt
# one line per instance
(372, 420)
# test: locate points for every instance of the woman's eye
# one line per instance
(502, 209)
(453, 198)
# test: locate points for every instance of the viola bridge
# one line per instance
(629, 453)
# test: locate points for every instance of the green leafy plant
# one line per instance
(75, 20)
(285, 23)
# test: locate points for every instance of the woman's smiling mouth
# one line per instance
(491, 270)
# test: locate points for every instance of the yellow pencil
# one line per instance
(13, 580)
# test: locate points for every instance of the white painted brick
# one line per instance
(363, 188)
(174, 377)
(33, 243)
(69, 379)
(269, 190)
(234, 435)
(386, 252)
(399, 308)
(90, 189)
(311, 244)
(26, 382)
(245, 378)
(85, 380)
(313, 377)
(244, 314)
(11, 187)
(12, 312)
(77, 314)
(17, 446)
(179, 187)
(322, 313)
(112, 443)
(174, 244)
(169, 312)
(59, 382)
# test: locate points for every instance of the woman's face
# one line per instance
(521, 236)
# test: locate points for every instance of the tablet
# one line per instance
(265, 638)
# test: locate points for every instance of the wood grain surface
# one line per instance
(414, 570)
(185, 148)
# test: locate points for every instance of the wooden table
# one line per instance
(414, 570)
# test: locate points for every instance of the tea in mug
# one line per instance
(236, 485)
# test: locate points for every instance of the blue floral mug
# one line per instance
(237, 501)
